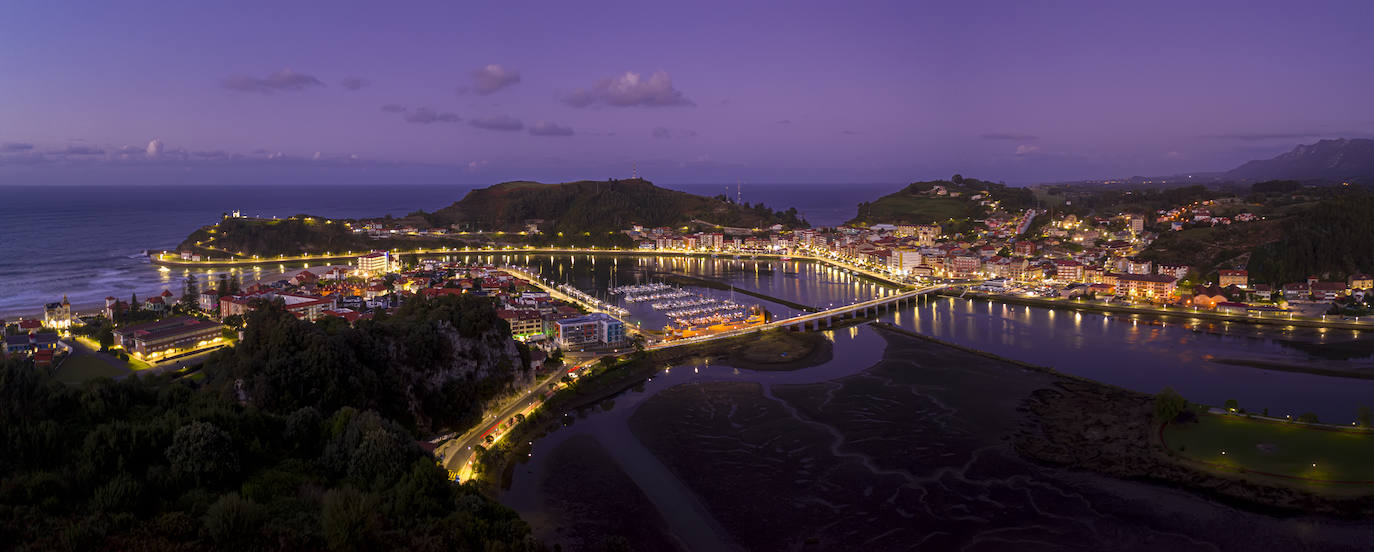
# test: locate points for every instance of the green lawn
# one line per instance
(1289, 449)
(82, 367)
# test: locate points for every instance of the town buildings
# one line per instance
(58, 315)
(168, 336)
(1229, 277)
(593, 329)
(375, 263)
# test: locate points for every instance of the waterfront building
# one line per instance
(1068, 270)
(1361, 281)
(58, 315)
(169, 336)
(592, 329)
(1327, 291)
(1296, 290)
(963, 266)
(1208, 297)
(1146, 286)
(376, 262)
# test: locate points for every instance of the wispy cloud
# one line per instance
(489, 79)
(630, 90)
(354, 83)
(545, 128)
(425, 116)
(15, 147)
(1008, 136)
(1026, 149)
(285, 80)
(498, 122)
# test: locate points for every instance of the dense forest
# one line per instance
(1332, 239)
(430, 366)
(601, 206)
(317, 449)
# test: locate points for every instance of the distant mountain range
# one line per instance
(1340, 159)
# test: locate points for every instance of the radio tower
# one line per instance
(634, 171)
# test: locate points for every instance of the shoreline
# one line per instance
(620, 379)
(1121, 309)
(171, 261)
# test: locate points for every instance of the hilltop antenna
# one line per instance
(634, 171)
(738, 194)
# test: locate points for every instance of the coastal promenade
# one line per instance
(1324, 323)
(169, 259)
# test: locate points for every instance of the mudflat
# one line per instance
(591, 504)
(921, 452)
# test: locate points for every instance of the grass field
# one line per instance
(779, 346)
(82, 367)
(1276, 448)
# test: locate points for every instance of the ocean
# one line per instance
(87, 242)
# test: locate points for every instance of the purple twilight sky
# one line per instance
(791, 92)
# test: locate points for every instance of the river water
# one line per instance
(1140, 353)
(873, 450)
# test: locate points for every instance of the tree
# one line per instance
(233, 518)
(1232, 405)
(1169, 404)
(519, 418)
(347, 519)
(1363, 416)
(202, 451)
(105, 336)
(190, 293)
(1308, 417)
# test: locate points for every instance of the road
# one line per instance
(171, 259)
(457, 454)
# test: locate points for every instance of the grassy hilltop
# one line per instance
(569, 214)
(588, 205)
(921, 203)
